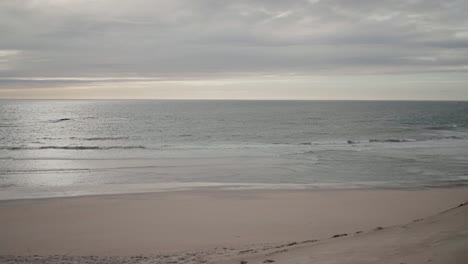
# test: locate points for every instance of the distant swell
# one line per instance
(447, 127)
(73, 147)
(403, 140)
(92, 147)
(391, 140)
(367, 141)
(397, 140)
(100, 138)
(60, 120)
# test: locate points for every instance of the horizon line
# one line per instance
(201, 99)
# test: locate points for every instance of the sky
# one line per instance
(236, 49)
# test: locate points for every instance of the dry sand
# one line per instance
(233, 226)
(441, 239)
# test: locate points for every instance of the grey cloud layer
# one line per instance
(184, 38)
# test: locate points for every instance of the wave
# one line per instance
(391, 140)
(367, 141)
(60, 120)
(73, 147)
(456, 137)
(196, 147)
(445, 127)
(91, 147)
(44, 171)
(364, 141)
(100, 138)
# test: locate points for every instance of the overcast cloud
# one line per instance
(78, 40)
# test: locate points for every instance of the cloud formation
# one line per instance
(181, 39)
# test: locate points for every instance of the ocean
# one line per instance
(51, 148)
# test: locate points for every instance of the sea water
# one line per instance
(75, 147)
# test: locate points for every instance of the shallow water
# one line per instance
(68, 147)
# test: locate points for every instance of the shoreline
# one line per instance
(177, 187)
(198, 220)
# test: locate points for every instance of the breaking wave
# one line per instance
(73, 147)
(100, 138)
(367, 141)
(446, 127)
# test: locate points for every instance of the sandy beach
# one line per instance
(213, 225)
(233, 132)
(441, 238)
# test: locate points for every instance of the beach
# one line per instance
(233, 132)
(214, 225)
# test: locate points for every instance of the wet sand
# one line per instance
(204, 225)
